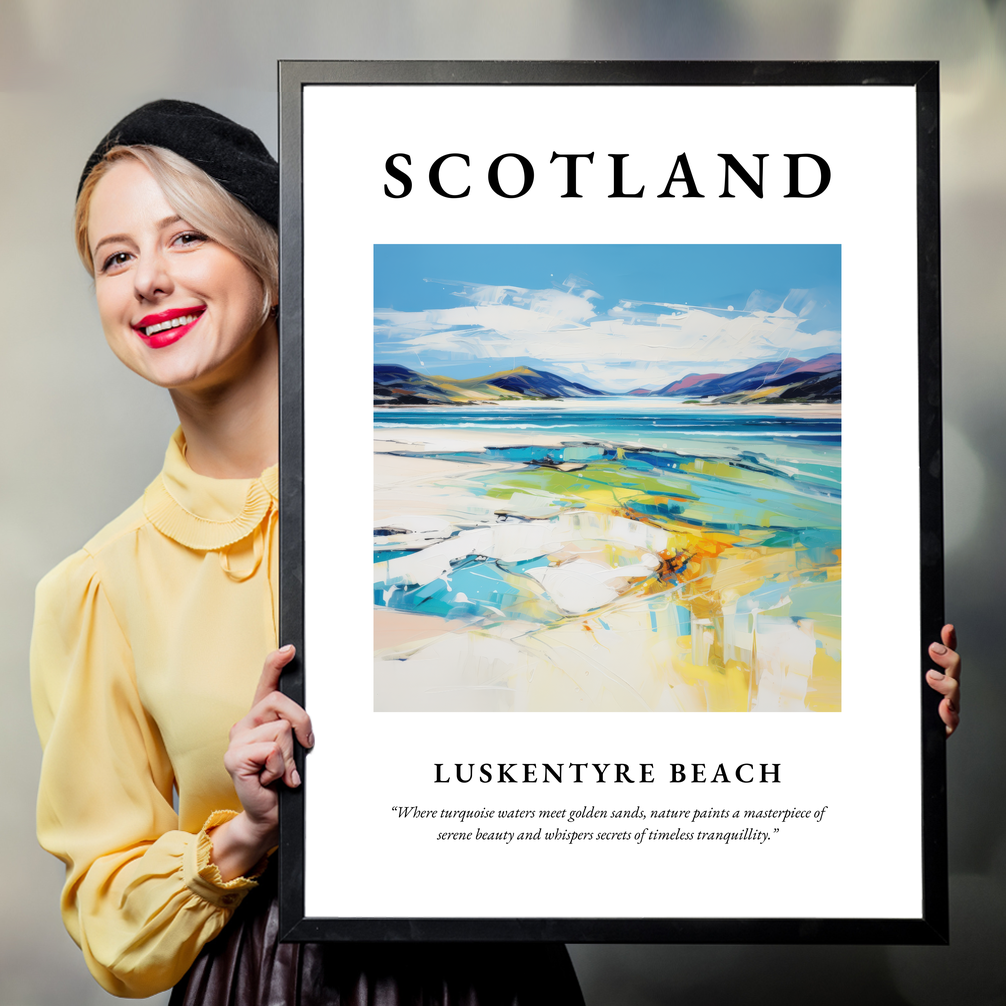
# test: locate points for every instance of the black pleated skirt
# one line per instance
(246, 965)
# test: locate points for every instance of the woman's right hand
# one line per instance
(260, 753)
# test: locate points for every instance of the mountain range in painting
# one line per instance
(394, 385)
(790, 380)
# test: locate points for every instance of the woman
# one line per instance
(149, 642)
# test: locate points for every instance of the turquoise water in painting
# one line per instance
(787, 459)
(616, 424)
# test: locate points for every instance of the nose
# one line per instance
(152, 276)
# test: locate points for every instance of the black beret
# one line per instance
(231, 154)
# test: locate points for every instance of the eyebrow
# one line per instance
(160, 225)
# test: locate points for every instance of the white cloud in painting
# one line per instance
(630, 345)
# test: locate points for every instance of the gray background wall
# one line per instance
(81, 436)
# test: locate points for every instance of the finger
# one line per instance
(274, 766)
(276, 706)
(949, 636)
(950, 716)
(950, 707)
(948, 659)
(271, 670)
(944, 683)
(259, 760)
(279, 732)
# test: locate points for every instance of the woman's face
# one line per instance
(177, 308)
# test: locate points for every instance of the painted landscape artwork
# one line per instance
(607, 478)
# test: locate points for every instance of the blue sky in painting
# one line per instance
(616, 317)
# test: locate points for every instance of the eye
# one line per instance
(115, 261)
(189, 239)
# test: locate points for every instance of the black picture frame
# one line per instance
(932, 925)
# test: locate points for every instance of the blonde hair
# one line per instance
(199, 200)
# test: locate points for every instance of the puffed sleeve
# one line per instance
(141, 898)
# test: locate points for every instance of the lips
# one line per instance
(167, 327)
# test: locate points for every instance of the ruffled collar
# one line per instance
(203, 513)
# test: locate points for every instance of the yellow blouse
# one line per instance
(147, 647)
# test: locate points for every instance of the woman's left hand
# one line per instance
(948, 681)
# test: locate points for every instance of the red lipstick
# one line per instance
(165, 333)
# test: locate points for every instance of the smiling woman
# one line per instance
(148, 642)
(158, 278)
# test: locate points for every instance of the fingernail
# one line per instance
(936, 675)
(295, 777)
(310, 740)
(938, 648)
(287, 649)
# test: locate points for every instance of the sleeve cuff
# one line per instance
(202, 876)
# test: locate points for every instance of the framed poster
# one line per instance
(618, 363)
